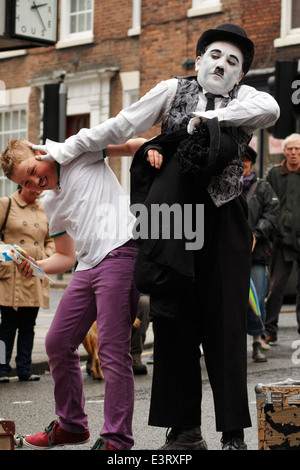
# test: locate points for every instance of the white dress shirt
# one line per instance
(91, 206)
(252, 110)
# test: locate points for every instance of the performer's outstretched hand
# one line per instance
(43, 154)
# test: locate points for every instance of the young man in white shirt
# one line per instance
(88, 211)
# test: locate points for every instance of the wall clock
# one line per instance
(35, 20)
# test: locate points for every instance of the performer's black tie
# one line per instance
(210, 101)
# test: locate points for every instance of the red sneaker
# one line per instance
(54, 435)
(102, 444)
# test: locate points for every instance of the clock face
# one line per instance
(36, 20)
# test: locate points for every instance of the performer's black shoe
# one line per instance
(233, 441)
(185, 439)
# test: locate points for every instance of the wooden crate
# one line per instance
(7, 431)
(278, 415)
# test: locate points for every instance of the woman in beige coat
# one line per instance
(21, 298)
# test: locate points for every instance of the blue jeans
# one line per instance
(255, 325)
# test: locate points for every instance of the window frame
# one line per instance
(288, 35)
(67, 39)
(204, 7)
(135, 29)
(7, 187)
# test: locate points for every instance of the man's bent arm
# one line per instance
(252, 110)
(63, 259)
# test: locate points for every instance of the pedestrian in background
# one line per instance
(138, 336)
(285, 180)
(21, 298)
(263, 209)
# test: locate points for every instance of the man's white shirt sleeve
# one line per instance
(252, 110)
(150, 110)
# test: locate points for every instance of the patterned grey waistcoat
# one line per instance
(229, 184)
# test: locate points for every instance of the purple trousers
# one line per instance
(106, 293)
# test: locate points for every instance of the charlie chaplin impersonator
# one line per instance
(206, 301)
(198, 296)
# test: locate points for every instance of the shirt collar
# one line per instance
(285, 171)
(58, 186)
(16, 196)
(225, 95)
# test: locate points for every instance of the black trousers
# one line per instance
(23, 321)
(138, 335)
(280, 273)
(212, 312)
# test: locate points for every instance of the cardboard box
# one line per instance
(7, 431)
(278, 415)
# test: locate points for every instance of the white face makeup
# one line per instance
(220, 67)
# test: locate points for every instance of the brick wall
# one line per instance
(167, 37)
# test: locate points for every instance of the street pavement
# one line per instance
(16, 398)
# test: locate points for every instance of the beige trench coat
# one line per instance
(27, 227)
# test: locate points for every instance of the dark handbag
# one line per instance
(2, 229)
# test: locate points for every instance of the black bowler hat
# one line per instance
(232, 33)
(251, 154)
